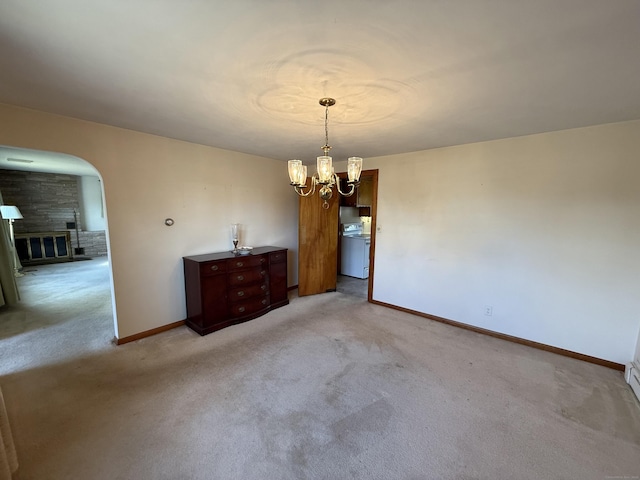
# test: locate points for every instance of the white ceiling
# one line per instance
(246, 75)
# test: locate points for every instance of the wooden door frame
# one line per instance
(374, 215)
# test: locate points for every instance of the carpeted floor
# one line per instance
(328, 387)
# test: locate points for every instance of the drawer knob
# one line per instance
(263, 273)
(214, 267)
(263, 287)
(262, 260)
(264, 301)
(241, 309)
(239, 264)
(240, 278)
(241, 293)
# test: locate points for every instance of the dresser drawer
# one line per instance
(247, 261)
(247, 277)
(242, 293)
(213, 268)
(240, 309)
(278, 257)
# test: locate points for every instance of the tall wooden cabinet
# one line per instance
(223, 289)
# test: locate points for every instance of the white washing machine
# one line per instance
(355, 251)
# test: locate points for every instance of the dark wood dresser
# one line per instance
(223, 289)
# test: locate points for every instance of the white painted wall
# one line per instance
(148, 178)
(91, 206)
(543, 228)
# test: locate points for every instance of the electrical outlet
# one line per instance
(488, 310)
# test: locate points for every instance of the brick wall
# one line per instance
(47, 202)
(94, 243)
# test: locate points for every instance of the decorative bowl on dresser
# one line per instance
(223, 289)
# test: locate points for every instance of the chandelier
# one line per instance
(325, 175)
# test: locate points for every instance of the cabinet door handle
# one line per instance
(241, 293)
(262, 260)
(239, 264)
(241, 309)
(264, 301)
(214, 267)
(240, 278)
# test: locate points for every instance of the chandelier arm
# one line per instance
(312, 188)
(344, 194)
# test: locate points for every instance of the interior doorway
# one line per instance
(356, 238)
(60, 197)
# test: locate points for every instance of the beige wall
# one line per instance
(148, 178)
(545, 229)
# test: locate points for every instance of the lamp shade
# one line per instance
(297, 173)
(10, 212)
(354, 168)
(325, 169)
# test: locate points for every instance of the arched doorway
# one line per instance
(63, 236)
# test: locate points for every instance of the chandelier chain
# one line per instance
(326, 126)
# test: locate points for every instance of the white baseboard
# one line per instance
(632, 376)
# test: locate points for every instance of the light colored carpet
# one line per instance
(328, 387)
